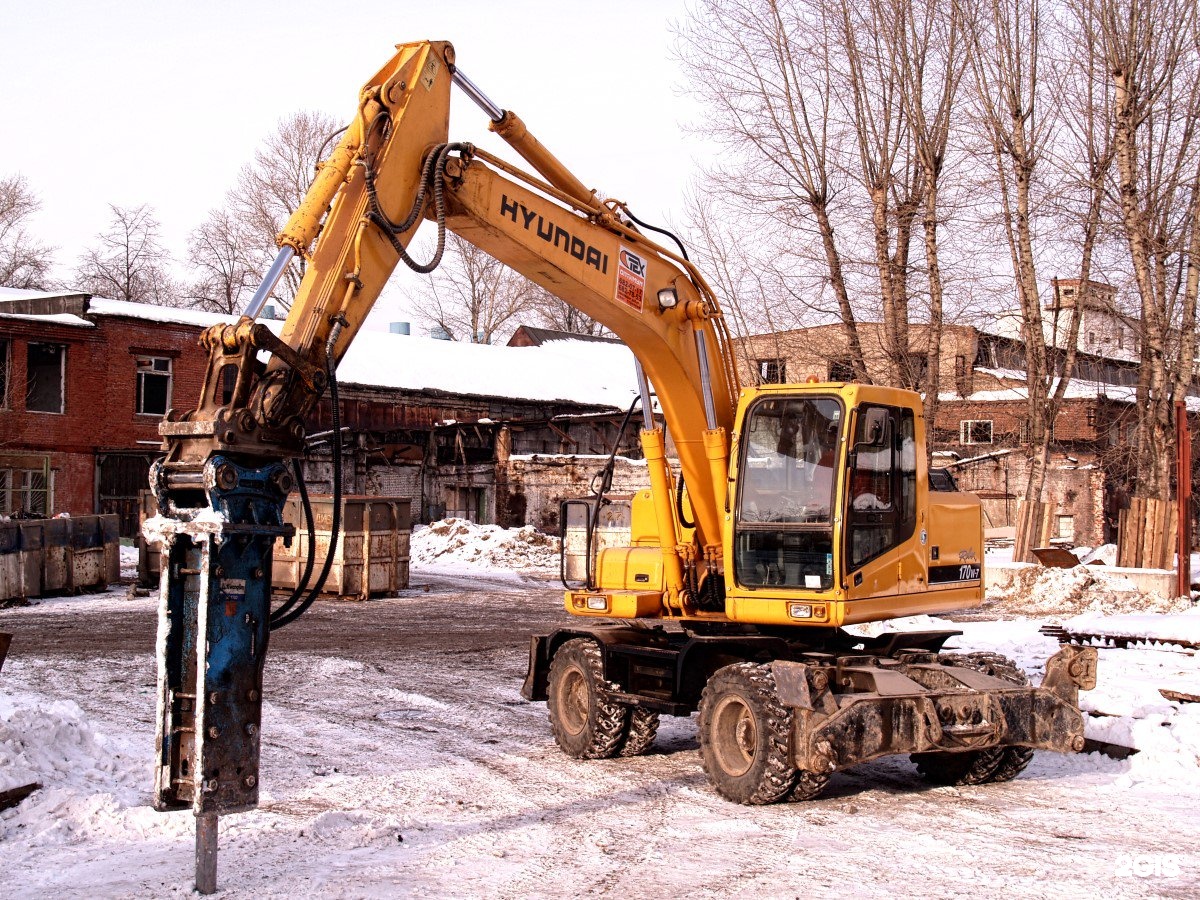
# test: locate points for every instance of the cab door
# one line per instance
(880, 506)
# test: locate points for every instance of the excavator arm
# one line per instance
(223, 482)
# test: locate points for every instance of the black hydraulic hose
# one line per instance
(336, 525)
(682, 249)
(311, 557)
(679, 488)
(432, 172)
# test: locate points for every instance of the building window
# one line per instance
(26, 491)
(975, 431)
(1066, 527)
(772, 371)
(4, 344)
(45, 369)
(153, 385)
(841, 369)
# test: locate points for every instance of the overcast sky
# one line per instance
(130, 102)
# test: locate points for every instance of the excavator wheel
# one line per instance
(989, 766)
(744, 732)
(808, 785)
(584, 723)
(643, 729)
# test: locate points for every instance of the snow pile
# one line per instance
(89, 786)
(457, 542)
(52, 743)
(1105, 554)
(1183, 626)
(908, 623)
(129, 563)
(1128, 708)
(1057, 593)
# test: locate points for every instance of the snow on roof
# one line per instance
(1003, 374)
(55, 319)
(1007, 324)
(98, 306)
(8, 293)
(599, 373)
(589, 372)
(14, 295)
(1076, 390)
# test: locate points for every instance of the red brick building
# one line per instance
(83, 384)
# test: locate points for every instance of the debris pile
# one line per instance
(456, 542)
(1059, 593)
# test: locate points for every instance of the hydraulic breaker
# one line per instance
(217, 529)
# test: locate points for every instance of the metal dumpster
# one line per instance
(61, 555)
(372, 552)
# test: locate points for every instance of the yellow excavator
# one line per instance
(798, 509)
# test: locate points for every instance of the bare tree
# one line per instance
(129, 262)
(1007, 56)
(873, 39)
(219, 252)
(270, 188)
(472, 296)
(1152, 55)
(24, 263)
(765, 74)
(554, 312)
(933, 61)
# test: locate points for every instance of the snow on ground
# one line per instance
(129, 563)
(455, 543)
(396, 774)
(396, 769)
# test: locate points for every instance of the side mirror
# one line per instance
(872, 429)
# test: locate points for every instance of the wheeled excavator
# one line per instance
(797, 508)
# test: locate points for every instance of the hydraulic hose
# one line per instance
(302, 585)
(432, 172)
(336, 526)
(682, 249)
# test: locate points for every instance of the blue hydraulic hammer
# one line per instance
(217, 530)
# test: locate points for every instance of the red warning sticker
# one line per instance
(631, 279)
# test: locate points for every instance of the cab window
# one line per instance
(787, 477)
(882, 490)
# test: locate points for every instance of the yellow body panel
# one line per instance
(615, 604)
(630, 568)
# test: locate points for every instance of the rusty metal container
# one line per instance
(11, 584)
(372, 552)
(31, 557)
(54, 556)
(148, 555)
